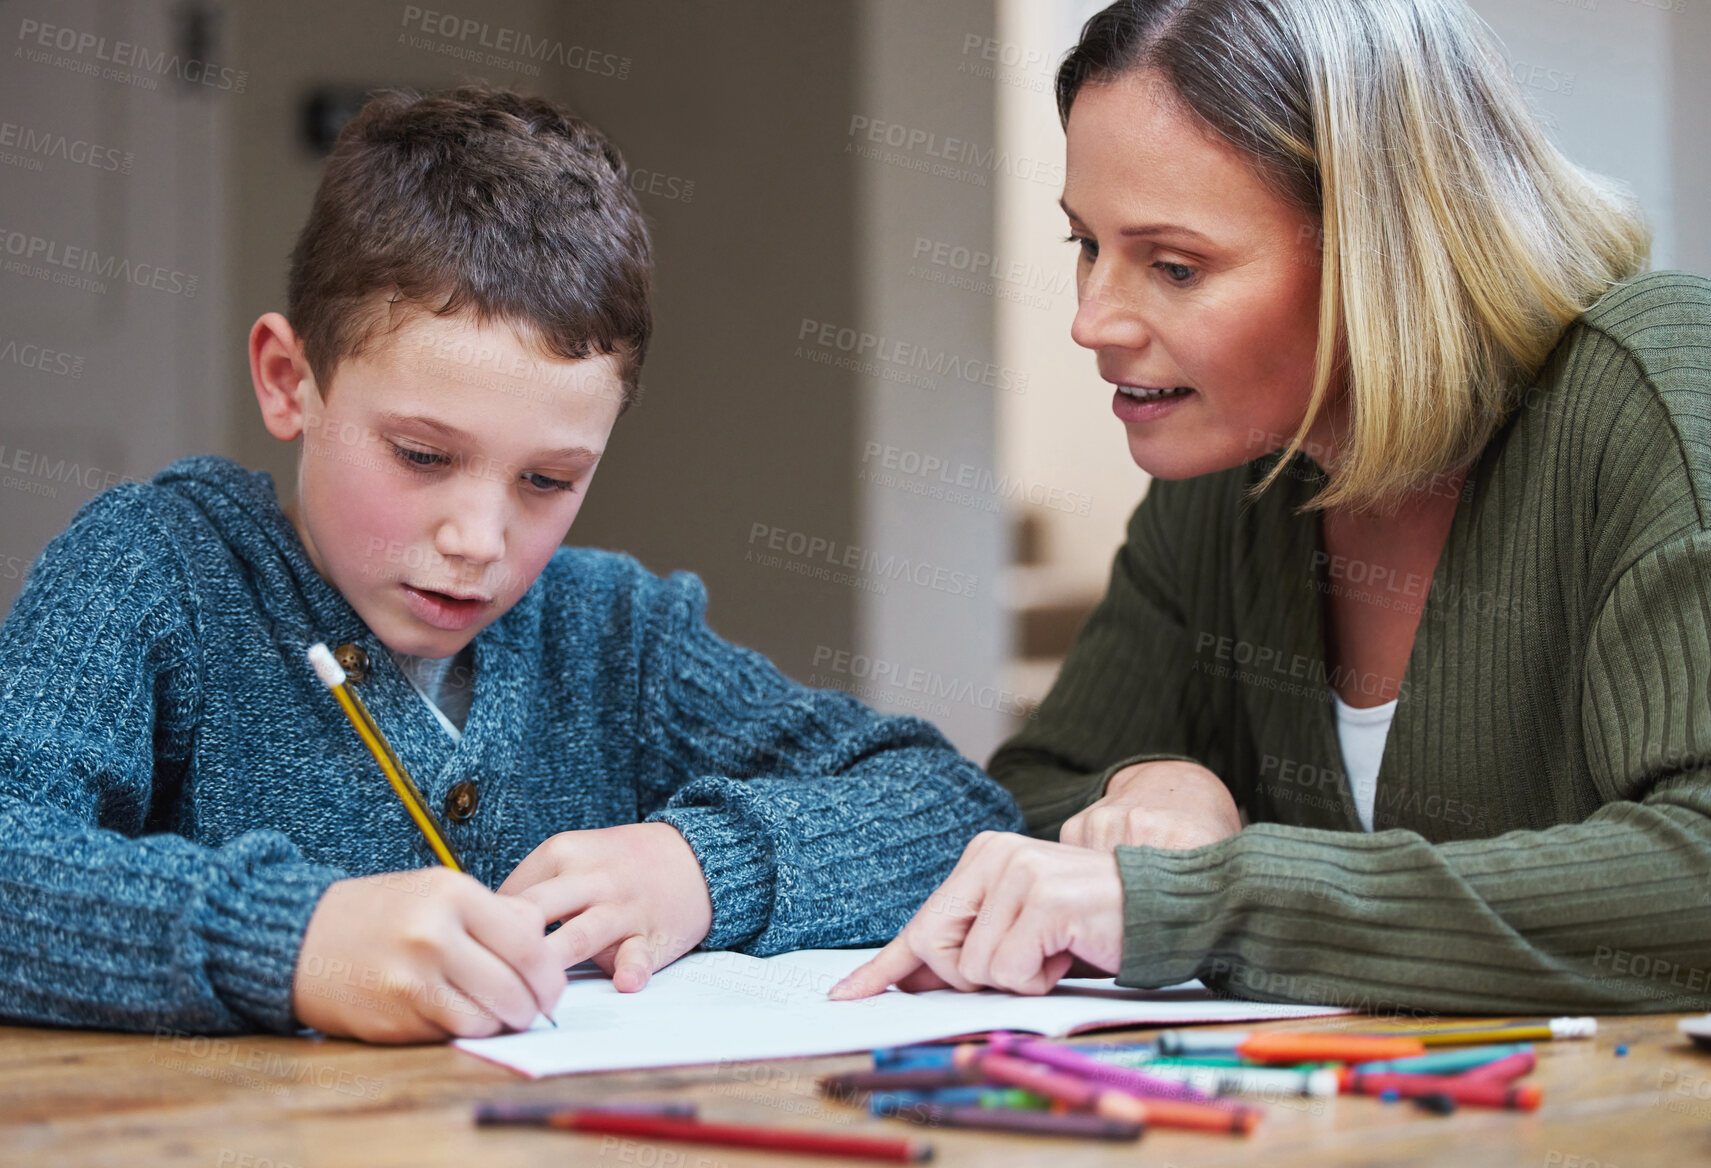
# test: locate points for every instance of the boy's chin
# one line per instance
(401, 634)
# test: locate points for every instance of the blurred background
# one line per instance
(863, 300)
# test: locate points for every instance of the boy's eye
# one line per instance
(542, 482)
(419, 457)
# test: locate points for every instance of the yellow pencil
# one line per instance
(332, 675)
(1463, 1034)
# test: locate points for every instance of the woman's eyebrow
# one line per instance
(1149, 229)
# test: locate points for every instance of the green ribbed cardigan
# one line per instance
(1542, 823)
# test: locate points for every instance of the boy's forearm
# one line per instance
(839, 861)
(156, 934)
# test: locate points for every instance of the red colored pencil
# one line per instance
(735, 1135)
(1505, 1069)
(1475, 1092)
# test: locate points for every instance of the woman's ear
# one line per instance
(281, 375)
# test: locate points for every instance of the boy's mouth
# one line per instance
(445, 610)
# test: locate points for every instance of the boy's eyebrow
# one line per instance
(1148, 229)
(571, 453)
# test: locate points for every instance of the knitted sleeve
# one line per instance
(1129, 691)
(817, 822)
(1608, 914)
(109, 920)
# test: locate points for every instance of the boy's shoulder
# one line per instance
(585, 592)
(163, 513)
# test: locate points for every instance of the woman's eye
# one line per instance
(1176, 273)
(418, 457)
(542, 482)
(1089, 248)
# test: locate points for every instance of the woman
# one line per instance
(1433, 465)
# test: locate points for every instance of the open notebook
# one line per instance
(724, 1007)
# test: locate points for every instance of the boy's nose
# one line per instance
(474, 531)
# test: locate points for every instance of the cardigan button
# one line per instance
(353, 660)
(461, 801)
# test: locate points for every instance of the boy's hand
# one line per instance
(632, 898)
(1014, 914)
(1165, 804)
(423, 956)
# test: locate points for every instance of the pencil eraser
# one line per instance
(327, 669)
(1574, 1027)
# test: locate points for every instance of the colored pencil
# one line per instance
(886, 1102)
(925, 1079)
(1505, 1069)
(1039, 1123)
(1450, 1061)
(1082, 1095)
(1127, 1079)
(1463, 1089)
(538, 1114)
(736, 1135)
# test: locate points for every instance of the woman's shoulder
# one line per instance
(1653, 332)
(1647, 310)
(1617, 426)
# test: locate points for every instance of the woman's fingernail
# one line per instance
(837, 992)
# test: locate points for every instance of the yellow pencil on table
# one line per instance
(332, 675)
(1464, 1034)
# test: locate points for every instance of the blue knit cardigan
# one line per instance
(177, 789)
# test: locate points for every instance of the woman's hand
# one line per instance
(1166, 804)
(422, 956)
(1014, 914)
(631, 897)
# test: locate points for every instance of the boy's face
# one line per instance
(441, 471)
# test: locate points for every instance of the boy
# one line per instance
(194, 837)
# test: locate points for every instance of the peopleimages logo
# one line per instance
(39, 144)
(464, 38)
(59, 260)
(95, 51)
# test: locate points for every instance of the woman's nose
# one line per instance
(1106, 315)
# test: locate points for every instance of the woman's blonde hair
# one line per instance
(1457, 241)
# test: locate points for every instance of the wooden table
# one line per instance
(80, 1098)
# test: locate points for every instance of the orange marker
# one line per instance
(1310, 1047)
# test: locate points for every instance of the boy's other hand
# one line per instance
(1163, 804)
(1015, 914)
(423, 956)
(631, 897)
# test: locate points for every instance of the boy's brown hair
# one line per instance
(479, 200)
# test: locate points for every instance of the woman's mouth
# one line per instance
(1144, 403)
(445, 610)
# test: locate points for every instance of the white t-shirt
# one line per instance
(1362, 732)
(447, 684)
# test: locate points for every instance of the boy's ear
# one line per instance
(280, 372)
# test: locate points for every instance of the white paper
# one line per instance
(727, 1007)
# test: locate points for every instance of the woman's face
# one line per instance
(1194, 279)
